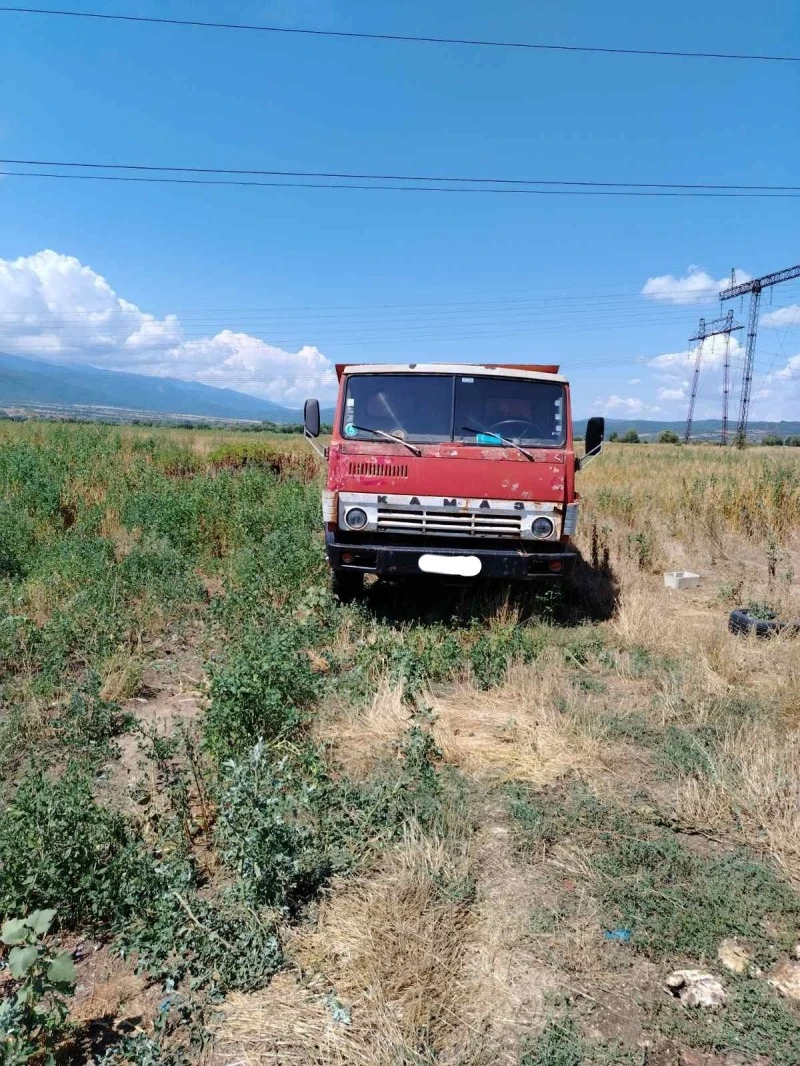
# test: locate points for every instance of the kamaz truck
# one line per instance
(461, 471)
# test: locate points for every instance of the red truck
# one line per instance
(459, 470)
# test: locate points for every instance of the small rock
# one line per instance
(696, 989)
(734, 956)
(786, 978)
(797, 951)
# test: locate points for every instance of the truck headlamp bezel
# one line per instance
(546, 527)
(361, 518)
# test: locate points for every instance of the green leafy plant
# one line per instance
(59, 846)
(762, 612)
(33, 1016)
(261, 691)
(269, 826)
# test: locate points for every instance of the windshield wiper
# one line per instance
(388, 436)
(504, 440)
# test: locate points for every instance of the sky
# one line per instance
(264, 289)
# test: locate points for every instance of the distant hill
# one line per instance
(86, 392)
(702, 428)
(30, 382)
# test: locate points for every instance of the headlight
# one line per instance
(356, 518)
(542, 527)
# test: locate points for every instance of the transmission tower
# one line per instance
(755, 288)
(720, 326)
(726, 385)
(726, 376)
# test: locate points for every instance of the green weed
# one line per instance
(560, 1044)
(633, 726)
(34, 1012)
(689, 751)
(545, 818)
(261, 691)
(680, 906)
(59, 848)
(755, 1024)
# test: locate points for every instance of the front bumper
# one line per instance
(394, 560)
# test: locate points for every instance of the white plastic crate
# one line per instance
(681, 579)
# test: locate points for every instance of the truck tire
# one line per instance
(347, 585)
(742, 622)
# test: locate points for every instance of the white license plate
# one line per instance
(454, 565)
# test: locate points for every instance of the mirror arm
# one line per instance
(586, 459)
(318, 448)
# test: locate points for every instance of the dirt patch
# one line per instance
(174, 698)
(108, 986)
(513, 982)
(110, 999)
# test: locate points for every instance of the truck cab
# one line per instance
(463, 471)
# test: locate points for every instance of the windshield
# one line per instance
(434, 408)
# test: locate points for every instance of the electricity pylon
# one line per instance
(720, 326)
(754, 287)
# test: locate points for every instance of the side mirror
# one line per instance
(311, 417)
(595, 431)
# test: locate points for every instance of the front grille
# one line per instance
(371, 469)
(461, 523)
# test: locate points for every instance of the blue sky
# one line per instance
(262, 289)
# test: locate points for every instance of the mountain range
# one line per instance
(708, 428)
(27, 382)
(87, 392)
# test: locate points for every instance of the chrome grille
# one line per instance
(459, 523)
(371, 469)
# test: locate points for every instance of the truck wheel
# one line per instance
(347, 585)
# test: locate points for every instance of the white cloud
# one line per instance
(671, 394)
(696, 286)
(790, 372)
(784, 316)
(713, 355)
(624, 405)
(634, 381)
(53, 307)
(776, 395)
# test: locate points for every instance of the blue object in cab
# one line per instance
(487, 438)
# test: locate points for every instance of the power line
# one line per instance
(395, 177)
(401, 188)
(586, 299)
(403, 38)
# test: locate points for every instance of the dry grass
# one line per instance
(425, 972)
(524, 730)
(360, 739)
(755, 785)
(393, 947)
(120, 676)
(734, 518)
(698, 493)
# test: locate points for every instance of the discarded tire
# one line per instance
(742, 622)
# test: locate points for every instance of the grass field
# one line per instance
(278, 830)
